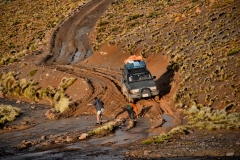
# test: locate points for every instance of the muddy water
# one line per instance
(88, 147)
(73, 124)
(124, 137)
(168, 120)
(47, 129)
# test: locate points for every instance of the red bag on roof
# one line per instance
(133, 57)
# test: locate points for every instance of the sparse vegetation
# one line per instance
(25, 25)
(32, 72)
(106, 128)
(199, 38)
(201, 118)
(233, 51)
(8, 113)
(202, 43)
(22, 88)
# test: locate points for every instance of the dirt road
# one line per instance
(70, 55)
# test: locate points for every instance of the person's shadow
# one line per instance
(143, 112)
(124, 110)
(163, 83)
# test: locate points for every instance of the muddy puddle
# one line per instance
(87, 147)
(168, 120)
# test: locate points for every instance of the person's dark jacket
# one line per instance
(98, 104)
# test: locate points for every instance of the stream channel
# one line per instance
(94, 148)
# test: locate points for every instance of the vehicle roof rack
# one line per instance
(135, 64)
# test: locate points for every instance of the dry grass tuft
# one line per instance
(23, 88)
(8, 113)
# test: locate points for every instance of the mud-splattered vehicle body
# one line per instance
(138, 82)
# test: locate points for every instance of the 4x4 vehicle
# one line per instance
(137, 82)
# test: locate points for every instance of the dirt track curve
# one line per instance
(69, 50)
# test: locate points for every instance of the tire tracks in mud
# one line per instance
(103, 82)
(69, 43)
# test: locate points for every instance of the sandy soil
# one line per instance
(70, 55)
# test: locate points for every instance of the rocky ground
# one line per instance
(98, 74)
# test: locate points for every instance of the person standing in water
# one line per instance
(99, 105)
(132, 110)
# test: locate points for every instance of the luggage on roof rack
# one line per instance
(135, 64)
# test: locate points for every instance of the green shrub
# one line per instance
(62, 104)
(8, 113)
(165, 136)
(107, 127)
(152, 15)
(102, 23)
(66, 82)
(233, 51)
(30, 91)
(201, 118)
(32, 72)
(132, 17)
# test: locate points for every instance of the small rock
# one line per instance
(229, 154)
(43, 137)
(24, 122)
(33, 107)
(69, 139)
(103, 53)
(190, 131)
(57, 141)
(52, 114)
(18, 102)
(146, 152)
(83, 136)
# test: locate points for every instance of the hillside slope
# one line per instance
(191, 46)
(202, 38)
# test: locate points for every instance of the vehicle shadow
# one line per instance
(163, 83)
(144, 111)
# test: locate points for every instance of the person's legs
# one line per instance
(98, 118)
(131, 113)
